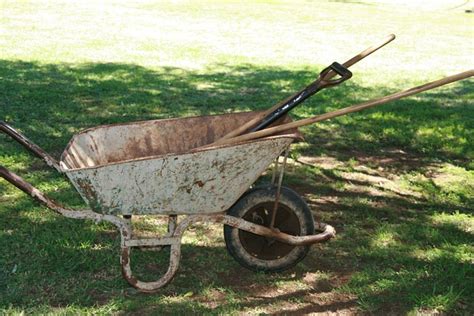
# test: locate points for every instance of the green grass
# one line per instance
(397, 181)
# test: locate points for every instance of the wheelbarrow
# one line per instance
(166, 167)
(149, 168)
(200, 169)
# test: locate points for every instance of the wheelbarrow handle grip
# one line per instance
(35, 193)
(21, 184)
(29, 145)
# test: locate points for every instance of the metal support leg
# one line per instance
(172, 222)
(128, 222)
(280, 181)
(174, 241)
(275, 170)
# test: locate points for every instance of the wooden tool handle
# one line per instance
(350, 109)
(328, 76)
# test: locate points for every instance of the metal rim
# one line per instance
(266, 248)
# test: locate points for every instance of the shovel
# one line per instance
(355, 108)
(324, 80)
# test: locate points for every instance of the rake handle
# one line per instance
(347, 110)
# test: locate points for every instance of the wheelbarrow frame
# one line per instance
(176, 229)
(128, 241)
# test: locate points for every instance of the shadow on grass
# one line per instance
(60, 262)
(402, 251)
(55, 262)
(51, 102)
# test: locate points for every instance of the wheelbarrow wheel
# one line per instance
(259, 253)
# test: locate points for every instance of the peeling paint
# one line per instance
(137, 168)
(133, 171)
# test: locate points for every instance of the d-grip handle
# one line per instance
(325, 76)
(324, 81)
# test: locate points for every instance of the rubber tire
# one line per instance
(289, 200)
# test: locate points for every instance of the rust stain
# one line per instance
(199, 183)
(126, 273)
(147, 167)
(149, 143)
(151, 138)
(173, 238)
(90, 192)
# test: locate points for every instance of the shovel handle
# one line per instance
(328, 76)
(326, 81)
(354, 108)
(321, 83)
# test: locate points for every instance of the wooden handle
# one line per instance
(330, 75)
(347, 110)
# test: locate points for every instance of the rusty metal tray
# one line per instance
(163, 167)
(162, 174)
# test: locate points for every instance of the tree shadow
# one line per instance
(431, 126)
(400, 254)
(50, 103)
(60, 262)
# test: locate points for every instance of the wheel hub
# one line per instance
(266, 248)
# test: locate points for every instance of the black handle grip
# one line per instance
(324, 81)
(339, 69)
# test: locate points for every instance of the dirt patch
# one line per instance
(213, 299)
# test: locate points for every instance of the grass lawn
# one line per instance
(397, 182)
